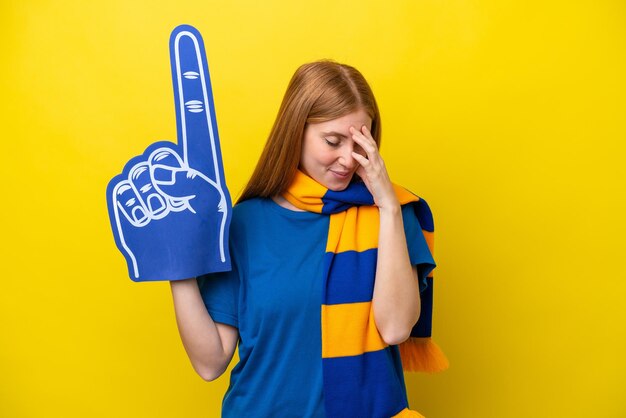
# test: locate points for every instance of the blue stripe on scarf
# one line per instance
(351, 277)
(381, 390)
(424, 325)
(424, 215)
(356, 195)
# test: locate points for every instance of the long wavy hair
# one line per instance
(318, 92)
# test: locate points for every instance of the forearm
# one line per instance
(396, 301)
(197, 329)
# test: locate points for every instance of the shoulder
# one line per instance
(246, 212)
(248, 206)
(255, 214)
(251, 209)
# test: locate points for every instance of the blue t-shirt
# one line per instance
(273, 296)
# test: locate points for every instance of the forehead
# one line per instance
(343, 123)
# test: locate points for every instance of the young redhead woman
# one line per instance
(326, 137)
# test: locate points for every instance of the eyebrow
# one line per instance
(333, 133)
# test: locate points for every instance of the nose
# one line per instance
(346, 159)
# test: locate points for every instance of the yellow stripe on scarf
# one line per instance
(364, 219)
(310, 193)
(340, 336)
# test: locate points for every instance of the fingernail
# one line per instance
(163, 175)
(156, 204)
(139, 214)
(165, 157)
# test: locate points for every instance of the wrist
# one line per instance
(391, 208)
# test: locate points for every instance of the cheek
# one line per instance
(328, 158)
(319, 156)
(310, 161)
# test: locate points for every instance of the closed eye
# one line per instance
(331, 143)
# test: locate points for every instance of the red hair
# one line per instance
(318, 92)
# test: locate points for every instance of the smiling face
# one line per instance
(327, 150)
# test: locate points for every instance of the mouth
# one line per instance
(341, 174)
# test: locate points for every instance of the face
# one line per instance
(327, 150)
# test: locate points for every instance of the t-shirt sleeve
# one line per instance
(419, 253)
(220, 293)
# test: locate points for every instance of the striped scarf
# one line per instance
(358, 366)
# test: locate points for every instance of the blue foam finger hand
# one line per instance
(169, 209)
(189, 240)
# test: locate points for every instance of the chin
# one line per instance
(338, 186)
(333, 182)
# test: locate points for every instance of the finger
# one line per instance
(164, 163)
(141, 181)
(195, 113)
(188, 184)
(128, 204)
(363, 175)
(363, 162)
(190, 189)
(368, 144)
(368, 152)
(367, 133)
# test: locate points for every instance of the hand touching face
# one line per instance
(327, 150)
(335, 150)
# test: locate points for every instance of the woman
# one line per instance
(287, 278)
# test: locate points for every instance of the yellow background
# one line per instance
(507, 116)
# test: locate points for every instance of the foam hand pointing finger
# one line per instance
(169, 208)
